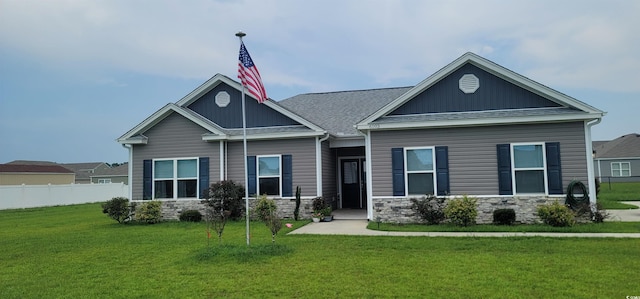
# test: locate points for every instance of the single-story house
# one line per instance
(83, 170)
(19, 174)
(115, 174)
(472, 128)
(618, 160)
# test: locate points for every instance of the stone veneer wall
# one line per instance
(398, 210)
(171, 209)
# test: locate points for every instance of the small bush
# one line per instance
(556, 214)
(598, 215)
(462, 211)
(318, 204)
(429, 208)
(264, 208)
(227, 194)
(149, 212)
(191, 216)
(504, 216)
(117, 209)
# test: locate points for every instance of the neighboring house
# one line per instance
(117, 174)
(618, 160)
(472, 128)
(19, 174)
(84, 171)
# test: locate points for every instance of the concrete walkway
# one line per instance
(359, 227)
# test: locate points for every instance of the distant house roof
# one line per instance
(31, 168)
(626, 146)
(120, 170)
(82, 170)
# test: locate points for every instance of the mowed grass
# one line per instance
(77, 252)
(610, 196)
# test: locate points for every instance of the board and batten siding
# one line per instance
(329, 180)
(303, 152)
(472, 153)
(174, 137)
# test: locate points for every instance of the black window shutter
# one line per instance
(251, 175)
(554, 169)
(397, 168)
(504, 169)
(203, 176)
(147, 179)
(442, 170)
(287, 176)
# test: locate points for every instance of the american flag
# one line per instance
(249, 76)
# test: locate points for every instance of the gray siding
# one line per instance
(472, 153)
(258, 115)
(329, 180)
(605, 172)
(303, 153)
(494, 94)
(174, 137)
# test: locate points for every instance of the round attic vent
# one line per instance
(469, 83)
(223, 99)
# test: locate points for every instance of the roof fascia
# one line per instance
(491, 67)
(273, 136)
(476, 122)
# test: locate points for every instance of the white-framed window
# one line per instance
(529, 168)
(620, 169)
(175, 178)
(104, 181)
(420, 178)
(269, 174)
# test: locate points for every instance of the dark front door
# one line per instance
(352, 176)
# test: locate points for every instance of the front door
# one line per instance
(352, 183)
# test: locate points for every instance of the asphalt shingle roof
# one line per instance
(338, 112)
(626, 146)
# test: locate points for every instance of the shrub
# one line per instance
(462, 211)
(598, 215)
(429, 208)
(267, 211)
(296, 211)
(264, 208)
(191, 216)
(504, 216)
(228, 195)
(117, 209)
(319, 205)
(556, 214)
(150, 212)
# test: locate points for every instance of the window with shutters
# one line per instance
(269, 175)
(175, 178)
(420, 168)
(529, 168)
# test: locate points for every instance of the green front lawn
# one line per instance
(611, 195)
(77, 252)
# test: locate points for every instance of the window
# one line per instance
(420, 171)
(269, 175)
(104, 181)
(619, 169)
(529, 173)
(175, 178)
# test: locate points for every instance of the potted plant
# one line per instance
(326, 212)
(316, 216)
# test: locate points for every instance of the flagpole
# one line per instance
(241, 34)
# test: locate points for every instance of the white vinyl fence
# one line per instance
(31, 196)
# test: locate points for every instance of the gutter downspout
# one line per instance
(319, 163)
(130, 170)
(590, 168)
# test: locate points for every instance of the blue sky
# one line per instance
(76, 75)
